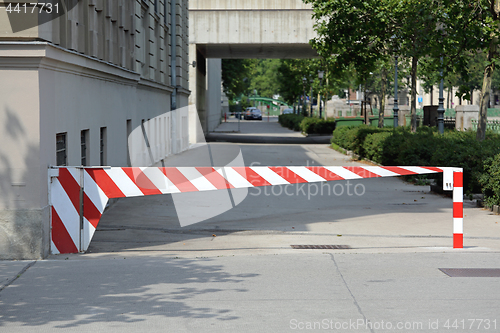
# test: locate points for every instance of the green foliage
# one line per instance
(291, 121)
(306, 124)
(317, 126)
(236, 75)
(374, 145)
(490, 180)
(424, 148)
(264, 77)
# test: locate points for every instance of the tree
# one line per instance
(364, 32)
(355, 34)
(236, 75)
(493, 29)
(264, 77)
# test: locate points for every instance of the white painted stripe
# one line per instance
(88, 233)
(158, 178)
(343, 172)
(197, 179)
(124, 183)
(75, 173)
(53, 248)
(270, 176)
(234, 178)
(458, 225)
(419, 170)
(382, 172)
(307, 174)
(94, 192)
(66, 211)
(458, 194)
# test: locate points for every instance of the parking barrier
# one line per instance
(79, 195)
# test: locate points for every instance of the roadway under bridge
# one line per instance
(239, 29)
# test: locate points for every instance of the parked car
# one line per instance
(287, 111)
(253, 113)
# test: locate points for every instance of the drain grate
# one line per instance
(318, 247)
(471, 272)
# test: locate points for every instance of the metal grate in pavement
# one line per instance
(471, 272)
(324, 247)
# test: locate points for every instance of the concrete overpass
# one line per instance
(239, 29)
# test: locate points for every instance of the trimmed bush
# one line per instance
(307, 125)
(426, 147)
(325, 126)
(490, 180)
(374, 145)
(291, 121)
(317, 126)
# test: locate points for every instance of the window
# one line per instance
(129, 131)
(103, 146)
(61, 155)
(84, 139)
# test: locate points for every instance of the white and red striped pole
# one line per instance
(458, 210)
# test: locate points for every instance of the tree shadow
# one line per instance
(23, 226)
(87, 292)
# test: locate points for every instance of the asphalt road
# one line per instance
(236, 271)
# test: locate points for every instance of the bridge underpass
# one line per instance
(241, 29)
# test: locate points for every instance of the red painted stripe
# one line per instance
(400, 171)
(458, 241)
(71, 187)
(433, 169)
(362, 172)
(90, 211)
(458, 209)
(142, 181)
(458, 179)
(215, 178)
(60, 236)
(105, 183)
(325, 173)
(179, 180)
(288, 175)
(253, 177)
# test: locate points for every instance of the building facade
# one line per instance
(73, 89)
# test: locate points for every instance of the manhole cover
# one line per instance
(471, 272)
(324, 247)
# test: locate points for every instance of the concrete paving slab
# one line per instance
(9, 271)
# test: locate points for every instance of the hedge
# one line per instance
(307, 125)
(291, 121)
(427, 147)
(490, 180)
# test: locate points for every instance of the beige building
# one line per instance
(72, 89)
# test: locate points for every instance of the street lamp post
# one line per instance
(311, 99)
(304, 81)
(320, 75)
(396, 107)
(440, 109)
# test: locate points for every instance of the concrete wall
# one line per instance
(252, 28)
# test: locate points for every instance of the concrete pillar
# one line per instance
(464, 116)
(404, 111)
(213, 100)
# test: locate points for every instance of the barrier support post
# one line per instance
(458, 210)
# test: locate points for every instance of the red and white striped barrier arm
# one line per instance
(78, 196)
